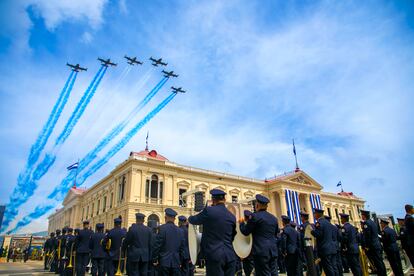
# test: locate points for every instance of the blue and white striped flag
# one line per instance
(73, 166)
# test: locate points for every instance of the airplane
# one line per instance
(169, 74)
(76, 67)
(107, 62)
(176, 90)
(132, 60)
(157, 62)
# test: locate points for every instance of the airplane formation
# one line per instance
(132, 61)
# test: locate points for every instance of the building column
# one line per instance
(283, 206)
(309, 207)
(143, 187)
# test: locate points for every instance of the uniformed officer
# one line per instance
(389, 242)
(169, 246)
(290, 247)
(82, 248)
(138, 242)
(47, 249)
(69, 246)
(53, 247)
(409, 231)
(372, 243)
(62, 257)
(350, 245)
(116, 235)
(325, 236)
(264, 228)
(55, 261)
(187, 268)
(402, 236)
(309, 256)
(98, 254)
(248, 262)
(219, 229)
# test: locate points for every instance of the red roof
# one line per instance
(349, 194)
(77, 190)
(153, 154)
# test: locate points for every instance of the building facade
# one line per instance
(147, 182)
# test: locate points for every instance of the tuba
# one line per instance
(194, 240)
(242, 244)
(118, 271)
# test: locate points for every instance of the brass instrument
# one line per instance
(118, 271)
(70, 258)
(58, 249)
(363, 259)
(51, 257)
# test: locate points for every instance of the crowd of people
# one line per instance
(141, 250)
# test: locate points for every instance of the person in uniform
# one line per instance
(290, 247)
(187, 268)
(98, 254)
(325, 236)
(82, 248)
(219, 229)
(402, 236)
(55, 261)
(389, 242)
(62, 257)
(138, 243)
(47, 249)
(372, 243)
(116, 235)
(349, 244)
(248, 262)
(169, 246)
(264, 228)
(409, 231)
(69, 246)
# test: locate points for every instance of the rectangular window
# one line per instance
(234, 199)
(104, 204)
(121, 189)
(93, 208)
(329, 212)
(161, 189)
(97, 208)
(181, 201)
(87, 212)
(147, 187)
(350, 215)
(336, 213)
(112, 200)
(83, 213)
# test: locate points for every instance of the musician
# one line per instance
(138, 244)
(248, 263)
(409, 230)
(290, 247)
(82, 248)
(62, 261)
(70, 240)
(219, 229)
(169, 246)
(55, 246)
(371, 243)
(349, 244)
(327, 248)
(389, 242)
(264, 228)
(187, 268)
(402, 235)
(47, 248)
(116, 235)
(98, 253)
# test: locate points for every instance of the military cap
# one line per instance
(345, 216)
(182, 218)
(64, 229)
(305, 215)
(70, 230)
(117, 220)
(385, 220)
(400, 219)
(285, 219)
(58, 231)
(262, 199)
(293, 224)
(52, 234)
(99, 226)
(217, 193)
(247, 213)
(318, 211)
(139, 216)
(170, 212)
(365, 213)
(85, 222)
(327, 217)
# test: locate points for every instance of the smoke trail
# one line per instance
(40, 210)
(80, 108)
(23, 189)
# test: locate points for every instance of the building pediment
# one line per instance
(303, 178)
(73, 194)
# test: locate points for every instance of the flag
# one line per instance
(73, 166)
(294, 148)
(339, 184)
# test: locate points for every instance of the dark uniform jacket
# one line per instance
(138, 243)
(264, 228)
(409, 229)
(116, 236)
(62, 240)
(82, 241)
(219, 229)
(70, 239)
(290, 240)
(169, 246)
(326, 237)
(403, 237)
(349, 239)
(96, 247)
(389, 239)
(184, 230)
(47, 247)
(370, 236)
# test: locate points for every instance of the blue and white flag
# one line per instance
(339, 184)
(73, 166)
(294, 148)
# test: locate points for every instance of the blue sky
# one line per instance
(336, 76)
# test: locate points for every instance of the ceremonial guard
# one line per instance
(371, 243)
(248, 263)
(113, 243)
(62, 255)
(325, 236)
(69, 249)
(54, 267)
(389, 242)
(169, 246)
(98, 254)
(264, 228)
(350, 245)
(187, 268)
(402, 235)
(409, 231)
(82, 248)
(219, 229)
(290, 247)
(48, 249)
(138, 243)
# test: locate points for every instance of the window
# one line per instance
(234, 199)
(83, 213)
(147, 187)
(87, 212)
(181, 201)
(359, 211)
(121, 189)
(154, 186)
(97, 207)
(93, 208)
(350, 215)
(336, 213)
(112, 200)
(329, 212)
(161, 189)
(104, 204)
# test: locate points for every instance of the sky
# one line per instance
(336, 76)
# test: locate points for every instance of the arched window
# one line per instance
(154, 188)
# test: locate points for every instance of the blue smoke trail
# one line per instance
(23, 189)
(80, 108)
(58, 194)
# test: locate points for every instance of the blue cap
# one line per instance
(100, 226)
(217, 192)
(342, 215)
(285, 219)
(262, 199)
(293, 224)
(305, 215)
(319, 211)
(365, 212)
(247, 213)
(170, 212)
(182, 218)
(58, 231)
(327, 217)
(139, 216)
(118, 220)
(70, 230)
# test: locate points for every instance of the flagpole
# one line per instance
(296, 158)
(76, 175)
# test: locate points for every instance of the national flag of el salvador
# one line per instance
(339, 184)
(294, 148)
(73, 166)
